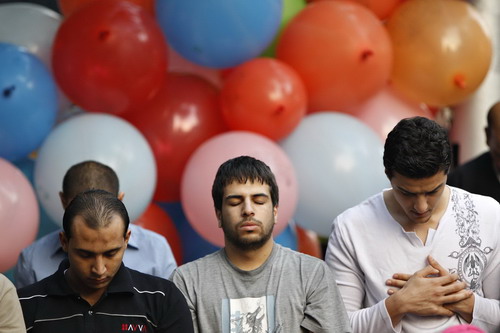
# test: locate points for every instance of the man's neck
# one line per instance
(248, 260)
(92, 296)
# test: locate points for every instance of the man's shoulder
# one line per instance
(39, 289)
(49, 242)
(146, 234)
(143, 283)
(202, 264)
(298, 258)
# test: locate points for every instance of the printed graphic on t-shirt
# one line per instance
(248, 315)
(472, 255)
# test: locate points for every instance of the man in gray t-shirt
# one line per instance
(252, 284)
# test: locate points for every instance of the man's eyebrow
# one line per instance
(431, 191)
(94, 253)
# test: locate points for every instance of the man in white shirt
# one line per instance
(420, 256)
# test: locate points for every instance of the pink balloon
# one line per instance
(199, 174)
(19, 214)
(384, 110)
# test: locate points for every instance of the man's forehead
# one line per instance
(249, 185)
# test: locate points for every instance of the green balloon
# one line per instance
(290, 9)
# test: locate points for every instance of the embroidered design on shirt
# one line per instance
(471, 258)
(134, 328)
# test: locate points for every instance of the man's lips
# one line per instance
(249, 226)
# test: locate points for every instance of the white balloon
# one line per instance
(34, 27)
(30, 25)
(338, 161)
(100, 137)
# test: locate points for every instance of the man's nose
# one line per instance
(99, 267)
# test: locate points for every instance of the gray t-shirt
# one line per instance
(290, 292)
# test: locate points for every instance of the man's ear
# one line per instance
(64, 202)
(218, 214)
(275, 212)
(64, 241)
(121, 195)
(127, 236)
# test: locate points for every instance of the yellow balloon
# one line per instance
(442, 50)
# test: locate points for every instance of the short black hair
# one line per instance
(97, 208)
(243, 169)
(417, 148)
(88, 175)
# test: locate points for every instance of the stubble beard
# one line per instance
(244, 243)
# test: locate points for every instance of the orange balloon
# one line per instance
(182, 115)
(381, 8)
(308, 242)
(68, 7)
(341, 50)
(442, 50)
(157, 220)
(265, 96)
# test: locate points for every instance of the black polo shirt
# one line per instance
(133, 302)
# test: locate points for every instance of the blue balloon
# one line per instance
(287, 238)
(28, 102)
(219, 33)
(193, 245)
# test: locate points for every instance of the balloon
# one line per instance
(30, 25)
(178, 64)
(109, 56)
(175, 122)
(28, 102)
(341, 50)
(219, 33)
(463, 329)
(382, 8)
(193, 245)
(287, 237)
(202, 166)
(308, 242)
(19, 214)
(338, 161)
(290, 9)
(157, 220)
(265, 96)
(103, 138)
(68, 7)
(442, 51)
(34, 27)
(384, 110)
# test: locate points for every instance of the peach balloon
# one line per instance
(341, 50)
(19, 214)
(442, 50)
(384, 110)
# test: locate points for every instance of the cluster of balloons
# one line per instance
(164, 91)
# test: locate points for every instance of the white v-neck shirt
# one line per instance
(367, 246)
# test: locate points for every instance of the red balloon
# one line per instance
(68, 7)
(265, 96)
(341, 51)
(308, 242)
(109, 56)
(382, 8)
(183, 114)
(157, 220)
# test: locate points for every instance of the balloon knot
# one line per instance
(459, 80)
(366, 54)
(7, 92)
(279, 110)
(104, 35)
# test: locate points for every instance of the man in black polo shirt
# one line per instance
(93, 291)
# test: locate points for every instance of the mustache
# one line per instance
(252, 220)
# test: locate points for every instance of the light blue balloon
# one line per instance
(28, 102)
(219, 33)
